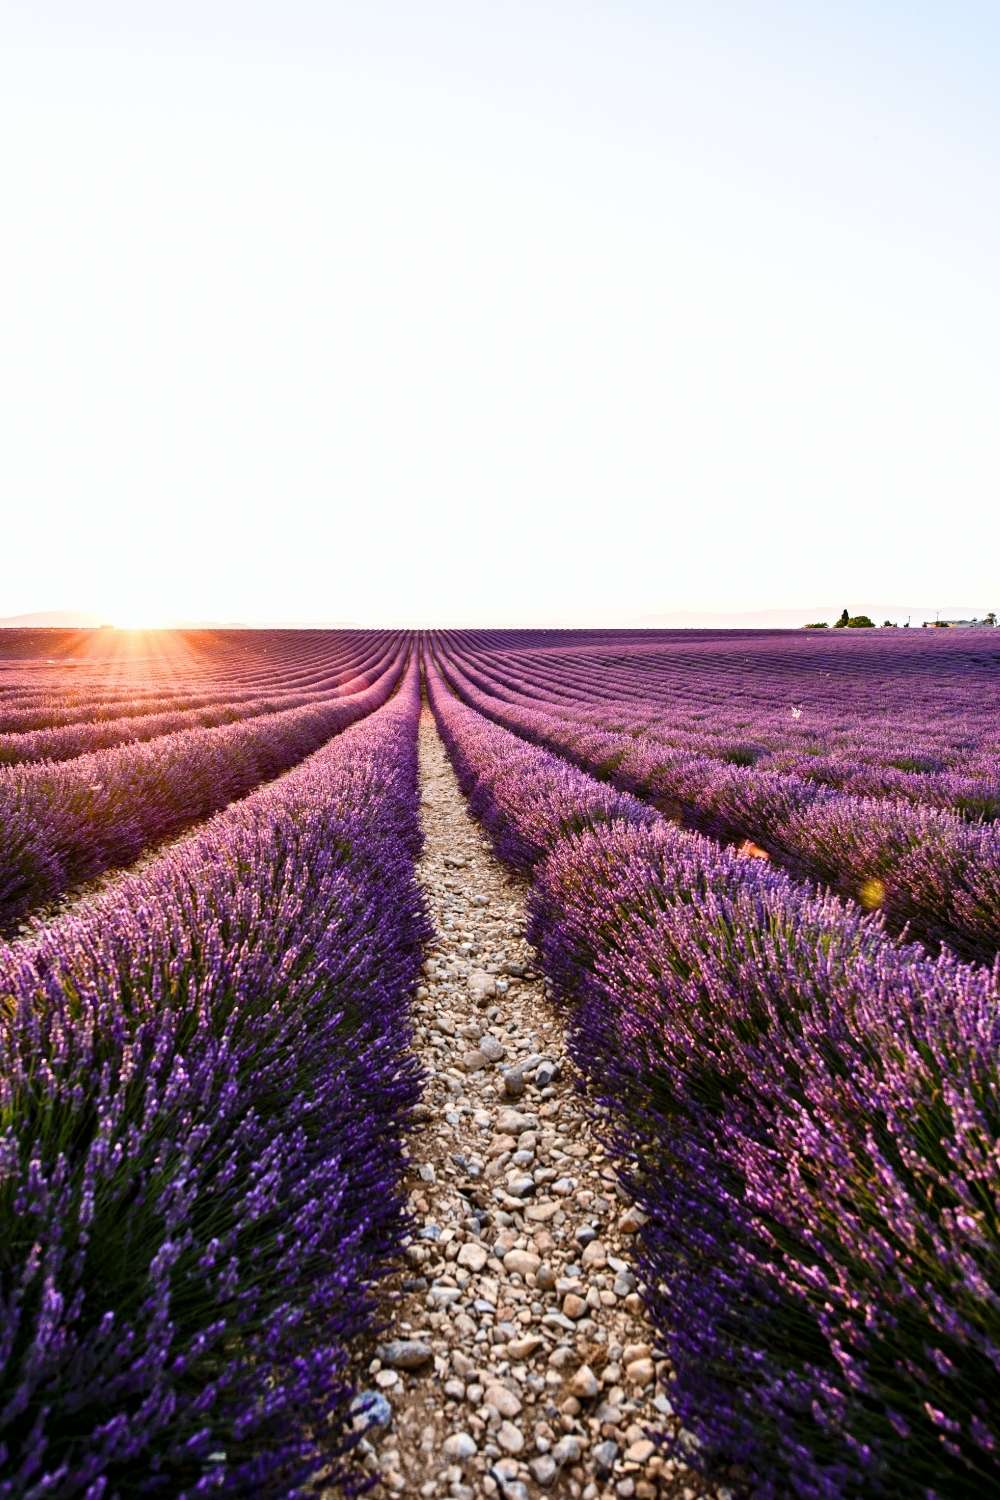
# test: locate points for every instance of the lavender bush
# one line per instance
(810, 1115)
(204, 1079)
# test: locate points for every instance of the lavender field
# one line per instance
(759, 876)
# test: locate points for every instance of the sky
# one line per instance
(464, 312)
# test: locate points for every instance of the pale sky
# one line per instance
(497, 313)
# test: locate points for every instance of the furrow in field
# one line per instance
(519, 1360)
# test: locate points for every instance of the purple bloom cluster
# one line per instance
(923, 863)
(810, 1115)
(61, 823)
(808, 1112)
(205, 1075)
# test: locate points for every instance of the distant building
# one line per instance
(958, 625)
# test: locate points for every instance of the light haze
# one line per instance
(483, 313)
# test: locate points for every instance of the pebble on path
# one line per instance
(520, 1362)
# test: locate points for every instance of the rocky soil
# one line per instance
(520, 1363)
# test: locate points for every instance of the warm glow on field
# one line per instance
(137, 654)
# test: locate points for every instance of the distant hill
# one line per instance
(78, 619)
(55, 619)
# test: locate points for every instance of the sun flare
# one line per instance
(130, 609)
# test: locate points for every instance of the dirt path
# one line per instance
(520, 1362)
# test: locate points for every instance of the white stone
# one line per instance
(472, 1255)
(509, 1438)
(459, 1446)
(523, 1262)
(502, 1400)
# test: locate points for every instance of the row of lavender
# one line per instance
(925, 867)
(205, 1077)
(77, 661)
(810, 1116)
(66, 822)
(859, 716)
(65, 741)
(137, 695)
(919, 699)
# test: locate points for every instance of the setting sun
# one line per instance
(133, 625)
(133, 606)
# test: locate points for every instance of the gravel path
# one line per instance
(520, 1362)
